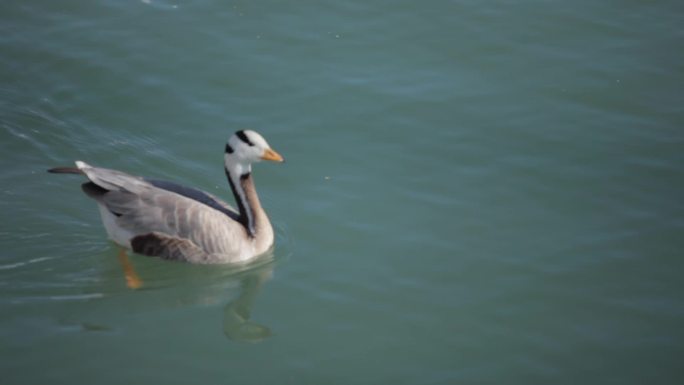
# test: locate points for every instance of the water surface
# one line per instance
(474, 193)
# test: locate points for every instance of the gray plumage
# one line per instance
(164, 219)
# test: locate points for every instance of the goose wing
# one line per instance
(175, 249)
(165, 222)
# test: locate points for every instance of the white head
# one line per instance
(244, 148)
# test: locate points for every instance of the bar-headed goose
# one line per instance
(164, 219)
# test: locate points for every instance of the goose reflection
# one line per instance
(184, 285)
(237, 324)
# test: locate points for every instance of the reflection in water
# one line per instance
(166, 286)
(185, 284)
(236, 315)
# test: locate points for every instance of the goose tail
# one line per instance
(70, 170)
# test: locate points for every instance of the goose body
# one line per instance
(168, 220)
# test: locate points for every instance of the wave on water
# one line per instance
(24, 263)
(160, 4)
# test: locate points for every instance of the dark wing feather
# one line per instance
(197, 195)
(159, 245)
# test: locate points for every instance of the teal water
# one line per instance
(475, 192)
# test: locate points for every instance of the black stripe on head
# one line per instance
(243, 137)
(229, 149)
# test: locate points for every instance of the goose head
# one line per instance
(245, 147)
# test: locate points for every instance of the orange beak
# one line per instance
(272, 156)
